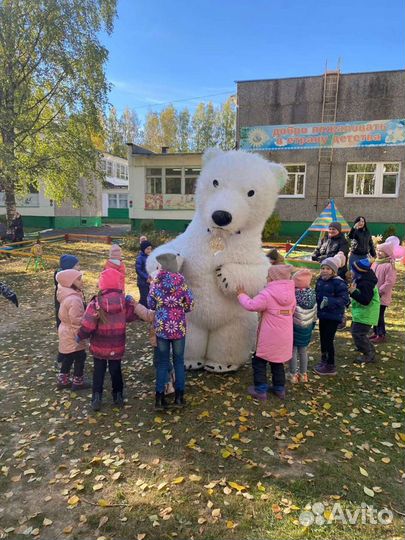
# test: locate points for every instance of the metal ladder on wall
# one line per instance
(325, 155)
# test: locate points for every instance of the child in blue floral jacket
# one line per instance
(171, 299)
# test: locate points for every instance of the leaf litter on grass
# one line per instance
(203, 472)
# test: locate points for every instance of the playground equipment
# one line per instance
(36, 259)
(321, 224)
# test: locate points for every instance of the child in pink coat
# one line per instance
(384, 269)
(71, 309)
(115, 262)
(277, 304)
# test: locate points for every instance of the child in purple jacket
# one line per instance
(171, 299)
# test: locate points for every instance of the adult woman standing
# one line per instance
(331, 245)
(362, 245)
(17, 228)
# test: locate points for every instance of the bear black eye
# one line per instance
(251, 193)
(215, 183)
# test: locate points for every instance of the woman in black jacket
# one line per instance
(17, 228)
(330, 246)
(362, 245)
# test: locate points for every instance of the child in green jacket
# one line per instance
(365, 308)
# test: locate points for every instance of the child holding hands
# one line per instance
(276, 303)
(104, 323)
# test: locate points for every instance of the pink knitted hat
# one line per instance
(387, 248)
(115, 252)
(279, 271)
(302, 278)
(109, 279)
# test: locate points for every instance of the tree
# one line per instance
(183, 131)
(130, 127)
(152, 136)
(225, 124)
(114, 139)
(52, 87)
(203, 125)
(168, 127)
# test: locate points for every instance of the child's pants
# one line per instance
(77, 359)
(300, 357)
(114, 367)
(163, 363)
(260, 374)
(143, 294)
(327, 331)
(361, 340)
(379, 330)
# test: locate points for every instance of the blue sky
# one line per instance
(168, 50)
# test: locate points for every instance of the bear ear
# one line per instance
(280, 173)
(211, 153)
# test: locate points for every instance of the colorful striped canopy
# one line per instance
(329, 214)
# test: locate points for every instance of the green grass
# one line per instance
(248, 469)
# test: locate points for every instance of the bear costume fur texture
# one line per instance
(235, 194)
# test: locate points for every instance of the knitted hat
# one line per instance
(67, 277)
(115, 252)
(335, 262)
(170, 262)
(302, 278)
(109, 279)
(279, 271)
(387, 248)
(145, 244)
(274, 255)
(336, 225)
(361, 266)
(67, 262)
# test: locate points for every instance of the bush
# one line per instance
(271, 230)
(156, 238)
(390, 231)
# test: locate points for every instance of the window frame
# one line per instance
(295, 195)
(163, 179)
(379, 177)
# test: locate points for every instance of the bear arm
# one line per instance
(232, 276)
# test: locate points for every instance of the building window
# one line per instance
(372, 179)
(118, 200)
(173, 181)
(122, 171)
(153, 181)
(109, 167)
(103, 165)
(190, 180)
(295, 185)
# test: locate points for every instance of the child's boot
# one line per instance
(304, 377)
(321, 365)
(63, 381)
(118, 399)
(160, 402)
(80, 384)
(179, 399)
(294, 378)
(257, 393)
(96, 401)
(278, 391)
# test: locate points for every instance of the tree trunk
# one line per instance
(10, 202)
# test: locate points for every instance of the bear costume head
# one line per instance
(236, 190)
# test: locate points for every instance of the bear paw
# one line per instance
(220, 368)
(222, 280)
(193, 364)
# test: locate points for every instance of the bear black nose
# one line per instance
(221, 218)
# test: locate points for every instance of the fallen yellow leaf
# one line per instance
(178, 480)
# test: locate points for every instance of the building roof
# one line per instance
(321, 75)
(136, 149)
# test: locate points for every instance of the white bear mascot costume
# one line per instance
(236, 193)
